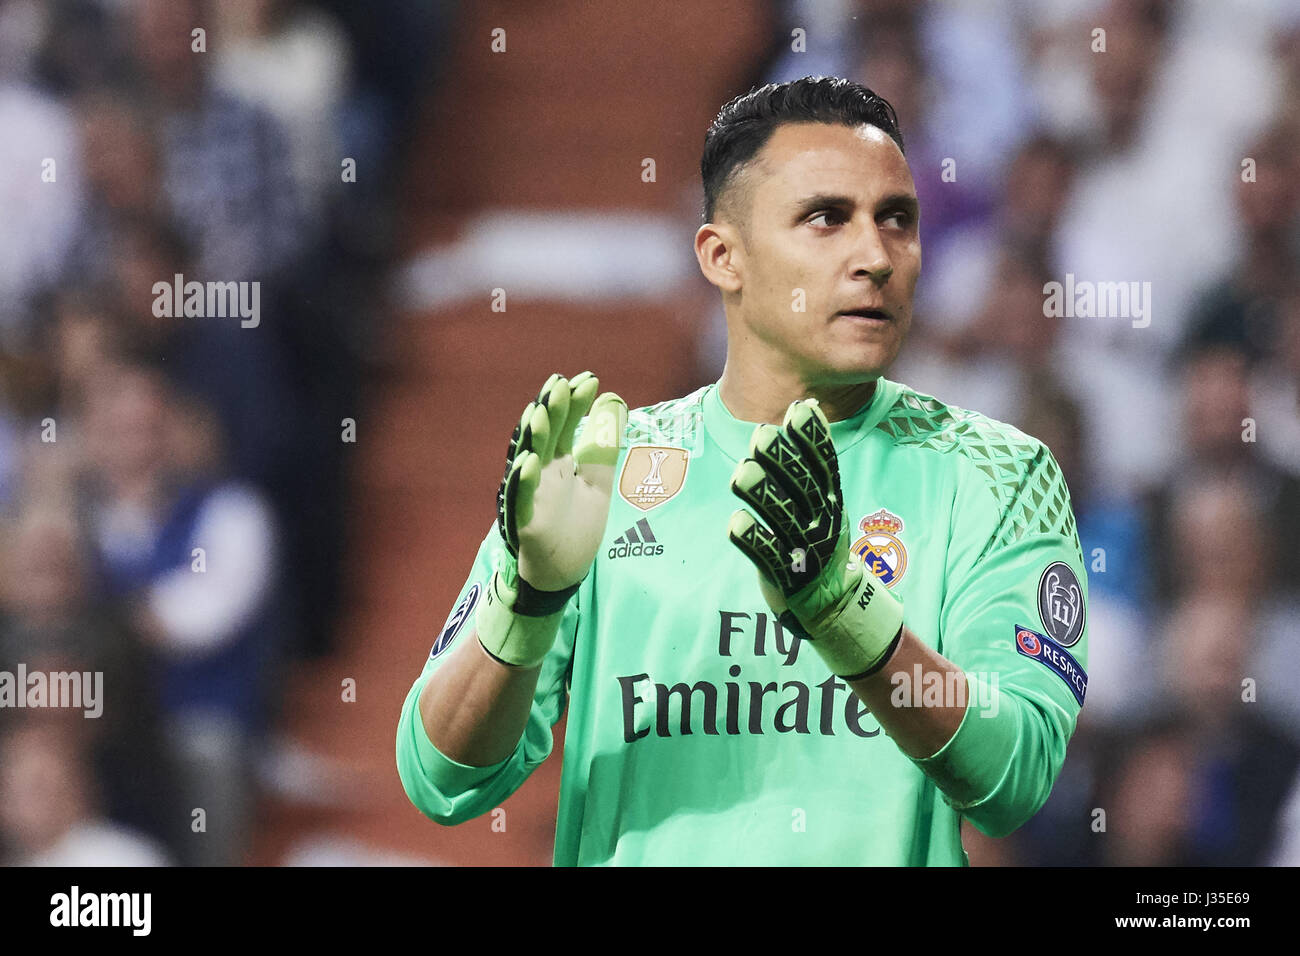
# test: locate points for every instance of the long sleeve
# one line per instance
(1015, 621)
(449, 792)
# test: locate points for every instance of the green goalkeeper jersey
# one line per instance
(702, 732)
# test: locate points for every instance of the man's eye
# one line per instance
(900, 218)
(831, 217)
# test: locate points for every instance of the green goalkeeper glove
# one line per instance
(551, 511)
(809, 576)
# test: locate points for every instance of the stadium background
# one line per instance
(266, 691)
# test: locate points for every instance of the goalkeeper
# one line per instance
(803, 615)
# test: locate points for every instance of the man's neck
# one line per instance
(757, 396)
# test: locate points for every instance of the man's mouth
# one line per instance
(879, 315)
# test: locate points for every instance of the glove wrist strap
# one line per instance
(516, 623)
(531, 602)
(857, 634)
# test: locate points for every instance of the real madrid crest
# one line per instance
(880, 548)
(652, 474)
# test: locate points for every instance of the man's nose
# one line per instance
(871, 259)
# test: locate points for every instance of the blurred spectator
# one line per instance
(82, 330)
(1147, 796)
(252, 376)
(293, 61)
(47, 807)
(122, 167)
(1216, 542)
(40, 189)
(961, 270)
(1225, 540)
(1122, 77)
(983, 109)
(84, 47)
(1275, 389)
(196, 558)
(1240, 765)
(829, 39)
(1000, 363)
(225, 163)
(401, 51)
(1242, 310)
(49, 623)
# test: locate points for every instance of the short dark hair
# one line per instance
(745, 124)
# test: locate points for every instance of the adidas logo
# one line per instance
(636, 541)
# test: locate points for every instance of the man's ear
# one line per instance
(721, 255)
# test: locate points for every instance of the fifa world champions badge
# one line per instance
(652, 474)
(880, 547)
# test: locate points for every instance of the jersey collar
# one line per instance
(732, 435)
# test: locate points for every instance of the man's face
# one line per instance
(832, 211)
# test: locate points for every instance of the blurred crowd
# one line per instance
(172, 490)
(1169, 155)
